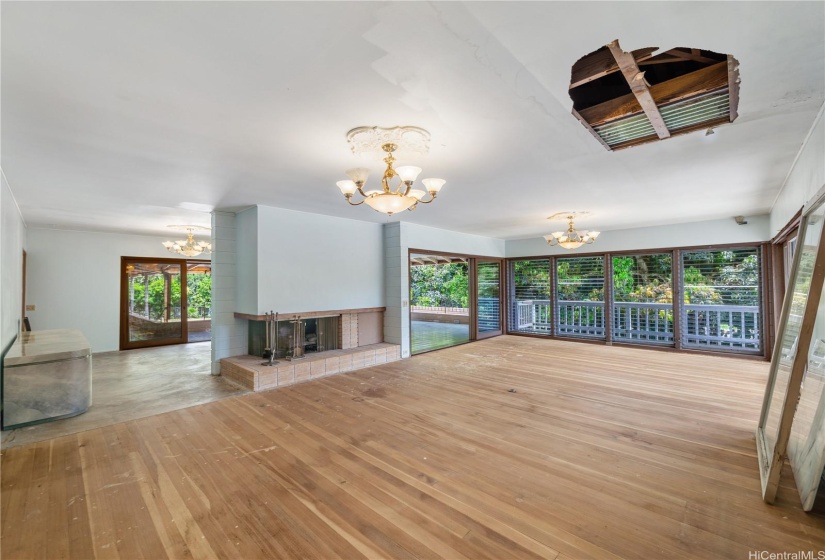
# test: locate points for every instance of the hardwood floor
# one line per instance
(600, 452)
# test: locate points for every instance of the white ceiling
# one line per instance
(121, 116)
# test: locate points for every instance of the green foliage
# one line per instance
(443, 285)
(199, 290)
(199, 294)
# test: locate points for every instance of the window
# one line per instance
(721, 299)
(643, 298)
(580, 301)
(714, 302)
(530, 297)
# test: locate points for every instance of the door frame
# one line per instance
(125, 343)
(472, 293)
(474, 297)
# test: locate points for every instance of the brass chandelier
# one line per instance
(397, 193)
(190, 247)
(571, 239)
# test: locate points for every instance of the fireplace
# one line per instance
(295, 336)
(305, 334)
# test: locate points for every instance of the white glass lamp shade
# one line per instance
(433, 185)
(408, 173)
(593, 234)
(358, 174)
(571, 244)
(390, 203)
(169, 245)
(417, 194)
(347, 187)
(373, 192)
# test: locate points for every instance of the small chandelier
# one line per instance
(190, 247)
(391, 198)
(571, 239)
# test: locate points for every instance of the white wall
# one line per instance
(246, 251)
(806, 177)
(229, 335)
(74, 280)
(399, 238)
(677, 235)
(12, 243)
(311, 262)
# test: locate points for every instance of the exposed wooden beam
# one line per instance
(660, 59)
(639, 87)
(601, 63)
(694, 54)
(705, 80)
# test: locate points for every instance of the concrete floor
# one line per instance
(135, 384)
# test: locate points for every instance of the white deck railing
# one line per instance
(734, 327)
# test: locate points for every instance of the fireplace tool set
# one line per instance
(271, 339)
(296, 351)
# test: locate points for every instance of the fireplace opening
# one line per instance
(295, 337)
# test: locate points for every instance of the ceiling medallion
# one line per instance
(190, 247)
(396, 193)
(570, 239)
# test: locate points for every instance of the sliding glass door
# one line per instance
(488, 298)
(580, 305)
(153, 296)
(453, 299)
(439, 301)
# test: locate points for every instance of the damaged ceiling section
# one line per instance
(630, 98)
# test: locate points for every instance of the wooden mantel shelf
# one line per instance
(310, 314)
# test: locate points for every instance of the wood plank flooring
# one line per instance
(599, 453)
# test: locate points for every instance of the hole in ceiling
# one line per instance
(630, 98)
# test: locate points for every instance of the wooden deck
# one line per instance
(600, 452)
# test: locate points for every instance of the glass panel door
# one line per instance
(580, 297)
(153, 297)
(439, 301)
(793, 350)
(199, 300)
(722, 300)
(488, 298)
(643, 299)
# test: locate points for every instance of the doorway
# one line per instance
(164, 301)
(454, 299)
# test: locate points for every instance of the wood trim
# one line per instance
(310, 314)
(608, 298)
(553, 294)
(677, 289)
(450, 254)
(768, 289)
(719, 246)
(788, 230)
